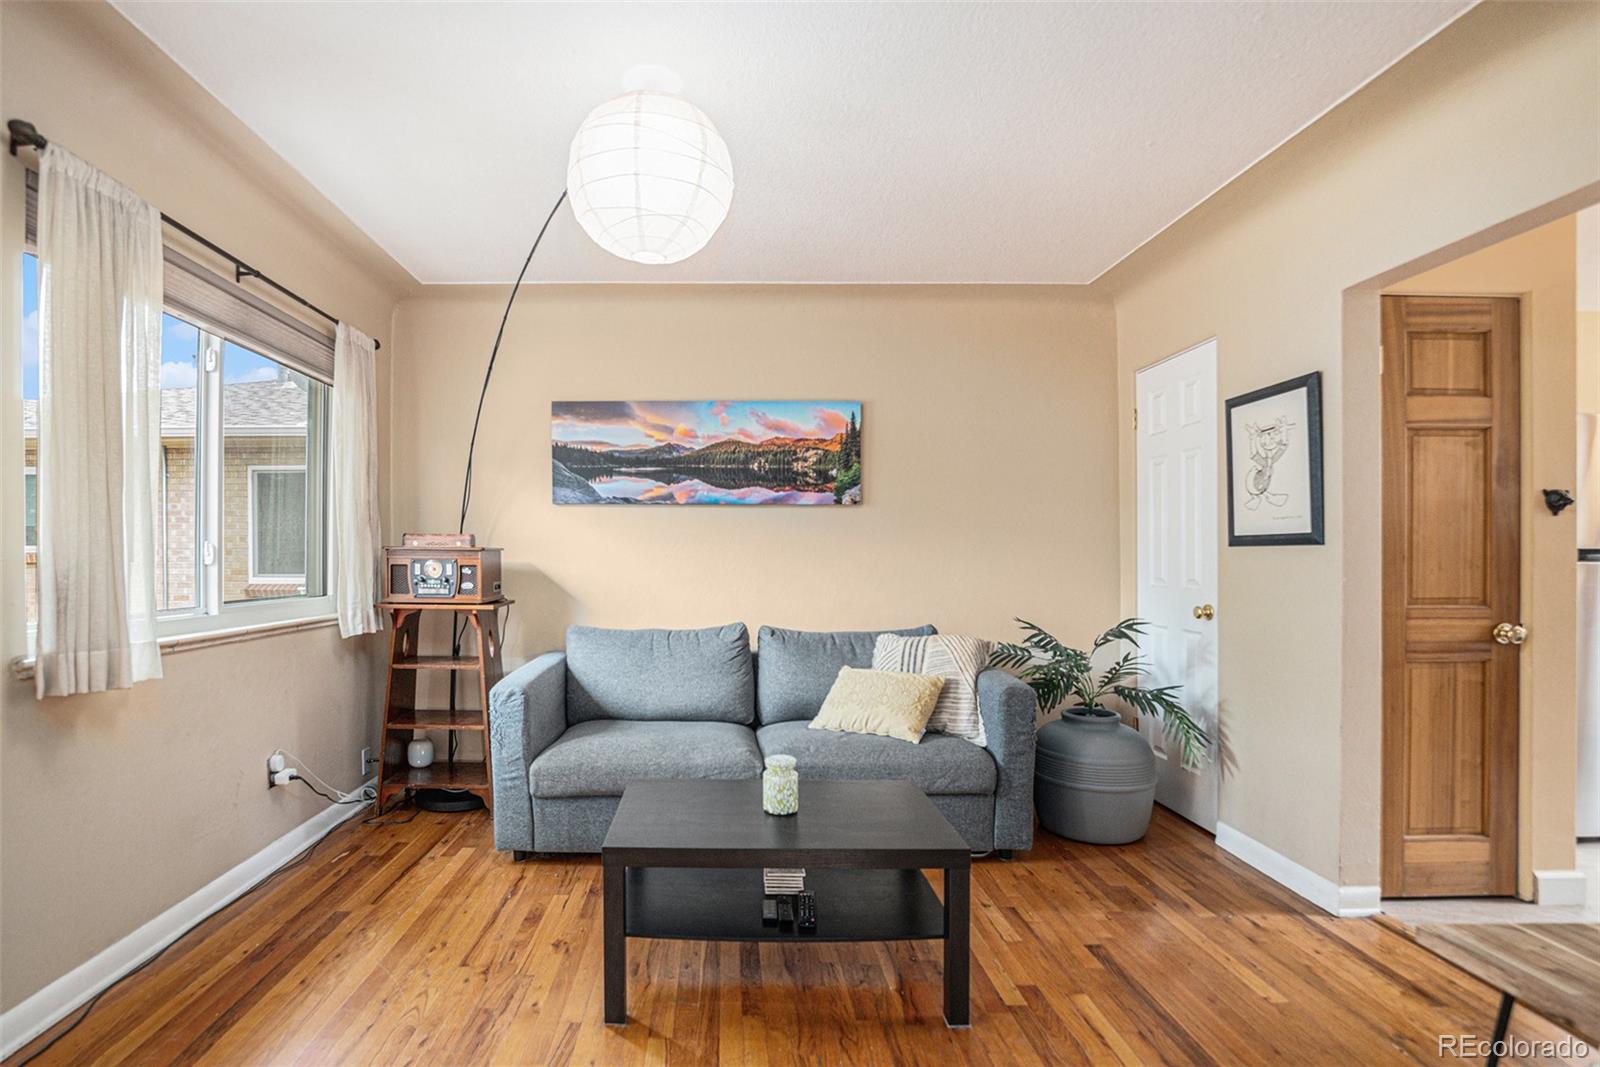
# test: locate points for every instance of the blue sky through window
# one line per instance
(242, 365)
(179, 342)
(30, 327)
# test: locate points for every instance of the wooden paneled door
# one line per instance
(1451, 528)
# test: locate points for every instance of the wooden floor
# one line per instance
(419, 944)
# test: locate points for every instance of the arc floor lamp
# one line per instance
(649, 180)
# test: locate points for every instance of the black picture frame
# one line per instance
(1312, 385)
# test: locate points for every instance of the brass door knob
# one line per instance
(1510, 633)
(1205, 611)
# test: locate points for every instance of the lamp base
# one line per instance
(448, 800)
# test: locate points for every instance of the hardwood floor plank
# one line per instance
(418, 943)
(1108, 1033)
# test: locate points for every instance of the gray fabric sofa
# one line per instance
(570, 729)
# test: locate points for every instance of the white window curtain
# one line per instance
(99, 430)
(355, 482)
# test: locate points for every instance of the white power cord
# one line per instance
(282, 774)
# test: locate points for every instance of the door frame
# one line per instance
(1219, 517)
(1357, 531)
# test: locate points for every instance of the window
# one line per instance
(177, 506)
(278, 525)
(30, 510)
(273, 488)
(30, 438)
(241, 525)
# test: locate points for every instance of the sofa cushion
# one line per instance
(798, 667)
(599, 758)
(958, 660)
(941, 765)
(678, 675)
(886, 703)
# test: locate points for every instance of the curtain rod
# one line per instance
(25, 135)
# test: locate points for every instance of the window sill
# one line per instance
(22, 666)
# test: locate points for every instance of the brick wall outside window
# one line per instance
(176, 561)
(239, 455)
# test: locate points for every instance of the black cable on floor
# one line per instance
(377, 819)
(162, 951)
(362, 799)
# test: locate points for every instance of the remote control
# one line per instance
(785, 912)
(806, 912)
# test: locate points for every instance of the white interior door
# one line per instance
(1177, 568)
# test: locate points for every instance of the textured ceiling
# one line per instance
(954, 142)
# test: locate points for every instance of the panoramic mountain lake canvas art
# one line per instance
(802, 452)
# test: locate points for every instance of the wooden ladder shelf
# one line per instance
(402, 715)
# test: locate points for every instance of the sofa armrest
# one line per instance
(1008, 708)
(527, 712)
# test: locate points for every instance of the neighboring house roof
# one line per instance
(248, 408)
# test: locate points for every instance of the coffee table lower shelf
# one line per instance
(724, 904)
(682, 860)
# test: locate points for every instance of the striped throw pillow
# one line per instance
(957, 660)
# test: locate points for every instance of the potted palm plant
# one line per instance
(1095, 778)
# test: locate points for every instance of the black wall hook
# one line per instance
(1557, 500)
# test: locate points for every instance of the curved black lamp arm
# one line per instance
(458, 631)
(488, 372)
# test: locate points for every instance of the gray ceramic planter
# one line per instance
(1094, 778)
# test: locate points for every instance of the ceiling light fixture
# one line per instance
(649, 177)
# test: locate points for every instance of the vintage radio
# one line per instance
(429, 568)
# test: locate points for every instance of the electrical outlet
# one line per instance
(366, 762)
(275, 763)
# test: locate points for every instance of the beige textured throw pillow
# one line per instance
(886, 703)
(956, 659)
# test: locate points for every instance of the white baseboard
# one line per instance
(1345, 901)
(1560, 888)
(44, 1009)
(1359, 901)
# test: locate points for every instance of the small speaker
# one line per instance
(398, 585)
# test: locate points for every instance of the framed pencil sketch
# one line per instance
(1274, 438)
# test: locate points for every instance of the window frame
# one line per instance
(213, 611)
(251, 471)
(212, 614)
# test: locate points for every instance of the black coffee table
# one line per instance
(683, 860)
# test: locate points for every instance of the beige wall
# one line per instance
(1589, 361)
(987, 431)
(1540, 268)
(116, 806)
(1494, 118)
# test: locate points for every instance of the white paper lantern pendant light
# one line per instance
(649, 177)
